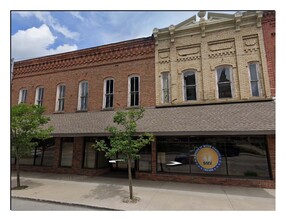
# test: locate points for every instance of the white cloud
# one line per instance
(47, 19)
(77, 15)
(35, 42)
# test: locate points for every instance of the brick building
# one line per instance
(204, 84)
(268, 27)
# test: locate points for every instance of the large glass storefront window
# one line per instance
(41, 155)
(66, 152)
(93, 158)
(144, 162)
(238, 155)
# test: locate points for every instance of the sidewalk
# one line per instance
(106, 192)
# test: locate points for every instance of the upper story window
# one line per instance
(189, 82)
(108, 101)
(22, 96)
(224, 80)
(165, 88)
(134, 88)
(60, 94)
(254, 79)
(83, 96)
(39, 96)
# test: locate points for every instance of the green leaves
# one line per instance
(124, 139)
(26, 125)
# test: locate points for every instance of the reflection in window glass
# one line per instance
(190, 86)
(145, 159)
(241, 155)
(66, 152)
(89, 154)
(224, 82)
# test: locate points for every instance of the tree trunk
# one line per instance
(130, 177)
(18, 171)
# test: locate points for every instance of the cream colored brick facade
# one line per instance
(202, 46)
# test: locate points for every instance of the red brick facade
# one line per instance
(268, 26)
(118, 61)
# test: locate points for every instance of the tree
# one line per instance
(27, 125)
(124, 140)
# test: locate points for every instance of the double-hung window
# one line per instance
(254, 79)
(39, 96)
(134, 88)
(83, 96)
(22, 96)
(189, 79)
(165, 88)
(60, 94)
(108, 93)
(224, 81)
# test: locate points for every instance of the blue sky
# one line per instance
(40, 33)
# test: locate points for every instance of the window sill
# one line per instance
(133, 107)
(107, 109)
(79, 111)
(59, 112)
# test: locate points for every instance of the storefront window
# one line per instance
(93, 158)
(144, 162)
(66, 152)
(238, 155)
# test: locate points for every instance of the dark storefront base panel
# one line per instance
(208, 180)
(63, 170)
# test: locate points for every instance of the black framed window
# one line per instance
(241, 156)
(134, 88)
(190, 86)
(92, 157)
(66, 152)
(109, 93)
(144, 162)
(224, 78)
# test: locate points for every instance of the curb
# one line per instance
(66, 203)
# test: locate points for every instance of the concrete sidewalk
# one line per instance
(110, 193)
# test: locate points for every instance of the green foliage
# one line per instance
(123, 137)
(26, 125)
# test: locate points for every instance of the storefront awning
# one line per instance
(218, 119)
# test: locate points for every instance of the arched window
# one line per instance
(134, 91)
(60, 95)
(39, 96)
(108, 99)
(189, 82)
(165, 87)
(224, 82)
(22, 96)
(254, 79)
(83, 96)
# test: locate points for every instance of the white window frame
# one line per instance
(79, 96)
(258, 79)
(188, 72)
(129, 90)
(37, 94)
(20, 100)
(104, 93)
(57, 97)
(162, 87)
(231, 81)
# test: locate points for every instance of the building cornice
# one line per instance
(214, 22)
(102, 55)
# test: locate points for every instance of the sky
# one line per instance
(41, 33)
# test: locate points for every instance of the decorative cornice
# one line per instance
(129, 50)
